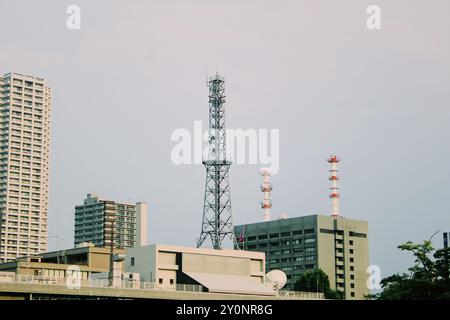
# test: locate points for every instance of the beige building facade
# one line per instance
(90, 260)
(219, 271)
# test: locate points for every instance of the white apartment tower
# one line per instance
(24, 165)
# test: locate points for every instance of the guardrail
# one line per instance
(10, 277)
(301, 294)
(95, 283)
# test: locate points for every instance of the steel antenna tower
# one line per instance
(217, 220)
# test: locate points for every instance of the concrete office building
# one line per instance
(337, 245)
(24, 165)
(107, 223)
(218, 271)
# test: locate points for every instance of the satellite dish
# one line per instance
(119, 257)
(276, 279)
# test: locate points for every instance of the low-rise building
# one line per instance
(88, 259)
(219, 271)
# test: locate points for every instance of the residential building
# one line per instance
(337, 245)
(107, 223)
(25, 103)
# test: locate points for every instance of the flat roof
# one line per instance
(226, 283)
(311, 217)
(207, 251)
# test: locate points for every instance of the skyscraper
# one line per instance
(25, 103)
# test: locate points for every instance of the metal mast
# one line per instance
(217, 221)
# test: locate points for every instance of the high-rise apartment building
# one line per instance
(24, 165)
(337, 245)
(107, 223)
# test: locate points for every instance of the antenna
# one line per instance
(217, 220)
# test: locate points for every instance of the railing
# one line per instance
(94, 283)
(125, 284)
(301, 294)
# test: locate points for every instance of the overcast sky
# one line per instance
(135, 72)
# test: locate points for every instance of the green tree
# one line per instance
(428, 278)
(316, 281)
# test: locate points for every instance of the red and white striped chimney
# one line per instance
(334, 195)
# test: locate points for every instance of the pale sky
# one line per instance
(135, 72)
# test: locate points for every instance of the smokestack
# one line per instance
(266, 188)
(334, 195)
(141, 224)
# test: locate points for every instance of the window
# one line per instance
(351, 242)
(352, 285)
(327, 231)
(132, 261)
(351, 260)
(172, 281)
(356, 234)
(352, 268)
(160, 281)
(262, 236)
(351, 251)
(352, 277)
(297, 232)
(273, 235)
(285, 234)
(352, 294)
(309, 231)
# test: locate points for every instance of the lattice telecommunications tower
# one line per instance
(217, 220)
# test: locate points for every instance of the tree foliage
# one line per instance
(427, 279)
(316, 281)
